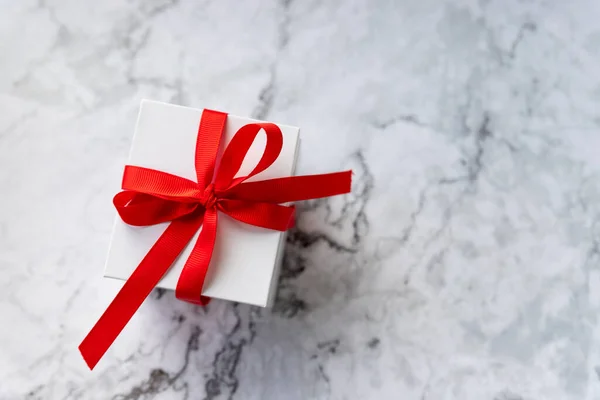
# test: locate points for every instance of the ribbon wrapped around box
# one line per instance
(151, 197)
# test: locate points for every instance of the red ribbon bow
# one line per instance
(151, 197)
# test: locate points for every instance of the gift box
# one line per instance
(204, 209)
(245, 261)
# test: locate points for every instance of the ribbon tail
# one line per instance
(293, 188)
(264, 215)
(191, 280)
(139, 285)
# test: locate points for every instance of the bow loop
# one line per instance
(160, 184)
(141, 209)
(238, 147)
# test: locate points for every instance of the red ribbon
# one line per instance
(151, 197)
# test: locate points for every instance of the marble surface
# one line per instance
(465, 264)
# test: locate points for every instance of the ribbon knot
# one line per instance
(208, 199)
(151, 197)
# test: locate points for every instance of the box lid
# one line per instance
(245, 259)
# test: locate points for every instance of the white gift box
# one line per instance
(246, 259)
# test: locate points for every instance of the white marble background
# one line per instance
(465, 265)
